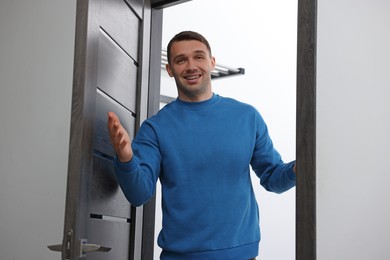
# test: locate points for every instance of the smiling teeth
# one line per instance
(192, 77)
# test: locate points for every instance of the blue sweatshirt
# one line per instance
(202, 153)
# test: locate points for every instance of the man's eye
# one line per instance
(178, 61)
(200, 57)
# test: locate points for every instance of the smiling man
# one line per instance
(201, 147)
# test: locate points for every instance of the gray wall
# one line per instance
(353, 130)
(36, 67)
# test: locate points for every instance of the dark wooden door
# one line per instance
(111, 60)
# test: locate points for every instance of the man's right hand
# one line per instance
(119, 138)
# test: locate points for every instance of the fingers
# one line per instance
(115, 129)
(119, 137)
(113, 121)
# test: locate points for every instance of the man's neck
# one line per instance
(196, 98)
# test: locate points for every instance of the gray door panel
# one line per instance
(111, 233)
(137, 6)
(119, 21)
(117, 72)
(105, 196)
(104, 104)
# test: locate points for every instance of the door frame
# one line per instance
(306, 131)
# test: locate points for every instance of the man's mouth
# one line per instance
(192, 77)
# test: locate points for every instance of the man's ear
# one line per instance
(169, 70)
(213, 63)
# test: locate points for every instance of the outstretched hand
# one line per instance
(119, 138)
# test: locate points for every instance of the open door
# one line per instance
(111, 60)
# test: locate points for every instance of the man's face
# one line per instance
(191, 66)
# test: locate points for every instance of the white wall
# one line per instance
(353, 126)
(259, 36)
(36, 70)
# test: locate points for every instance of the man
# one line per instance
(200, 147)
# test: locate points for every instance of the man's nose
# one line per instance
(191, 64)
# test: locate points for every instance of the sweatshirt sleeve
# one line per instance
(137, 178)
(275, 175)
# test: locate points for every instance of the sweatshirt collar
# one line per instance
(196, 105)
